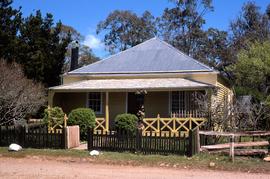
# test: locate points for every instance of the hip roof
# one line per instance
(153, 55)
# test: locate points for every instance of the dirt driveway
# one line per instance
(37, 168)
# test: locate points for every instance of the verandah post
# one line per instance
(107, 111)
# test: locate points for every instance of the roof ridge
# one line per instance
(179, 51)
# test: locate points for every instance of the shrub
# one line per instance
(127, 122)
(19, 96)
(84, 117)
(53, 116)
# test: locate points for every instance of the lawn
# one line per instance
(200, 161)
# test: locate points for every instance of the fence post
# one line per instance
(138, 140)
(0, 135)
(89, 138)
(197, 140)
(190, 143)
(232, 147)
(64, 138)
(268, 142)
(19, 135)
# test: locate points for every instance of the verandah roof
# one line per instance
(132, 85)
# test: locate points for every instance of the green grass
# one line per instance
(200, 161)
(47, 152)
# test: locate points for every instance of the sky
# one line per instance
(84, 15)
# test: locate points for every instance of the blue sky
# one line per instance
(84, 15)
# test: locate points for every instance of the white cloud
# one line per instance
(93, 42)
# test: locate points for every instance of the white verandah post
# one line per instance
(107, 111)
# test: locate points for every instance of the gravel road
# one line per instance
(37, 168)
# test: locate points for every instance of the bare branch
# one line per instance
(19, 96)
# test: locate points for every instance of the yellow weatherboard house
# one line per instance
(154, 75)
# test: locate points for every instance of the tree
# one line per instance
(86, 55)
(124, 29)
(68, 31)
(215, 49)
(252, 71)
(19, 96)
(250, 26)
(41, 51)
(236, 116)
(10, 22)
(182, 24)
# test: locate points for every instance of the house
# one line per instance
(153, 74)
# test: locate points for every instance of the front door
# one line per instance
(135, 102)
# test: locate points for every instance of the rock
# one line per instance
(162, 164)
(212, 164)
(267, 159)
(14, 147)
(94, 153)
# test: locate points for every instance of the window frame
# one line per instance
(187, 104)
(101, 102)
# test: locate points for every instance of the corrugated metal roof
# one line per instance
(153, 55)
(132, 84)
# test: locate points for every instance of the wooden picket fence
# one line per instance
(37, 137)
(147, 144)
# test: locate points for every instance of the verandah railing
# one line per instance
(175, 125)
(163, 126)
(37, 137)
(147, 144)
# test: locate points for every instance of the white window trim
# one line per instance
(101, 102)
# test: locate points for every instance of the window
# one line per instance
(177, 101)
(183, 103)
(94, 101)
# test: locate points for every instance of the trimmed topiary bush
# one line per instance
(84, 117)
(127, 122)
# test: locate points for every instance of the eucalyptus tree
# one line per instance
(125, 29)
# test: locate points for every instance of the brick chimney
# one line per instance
(74, 55)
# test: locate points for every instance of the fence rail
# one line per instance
(37, 137)
(146, 144)
(235, 143)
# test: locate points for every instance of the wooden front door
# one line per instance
(135, 102)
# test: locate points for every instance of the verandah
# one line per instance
(184, 116)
